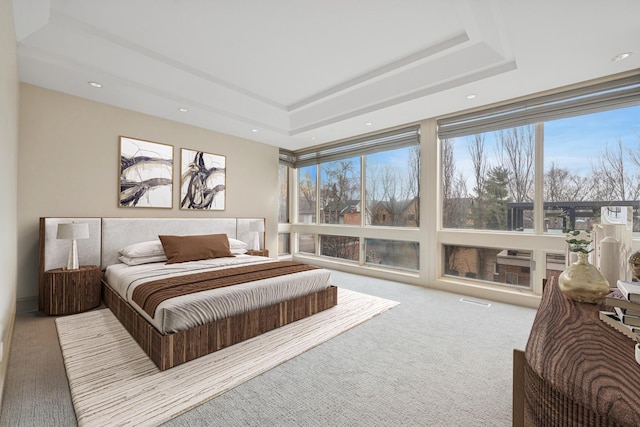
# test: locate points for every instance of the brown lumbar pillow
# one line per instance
(194, 248)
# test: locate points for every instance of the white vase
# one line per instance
(638, 353)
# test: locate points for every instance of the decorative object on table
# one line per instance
(609, 258)
(256, 227)
(617, 299)
(611, 319)
(638, 351)
(630, 290)
(73, 231)
(634, 264)
(582, 281)
(625, 316)
(612, 243)
(146, 174)
(203, 180)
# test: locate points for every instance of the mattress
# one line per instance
(191, 310)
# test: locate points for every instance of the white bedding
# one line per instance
(187, 311)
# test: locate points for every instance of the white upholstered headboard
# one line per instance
(108, 235)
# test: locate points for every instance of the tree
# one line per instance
(517, 156)
(340, 184)
(307, 193)
(479, 161)
(454, 191)
(497, 197)
(561, 185)
(391, 188)
(611, 177)
(283, 199)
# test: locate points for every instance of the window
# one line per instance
(343, 247)
(306, 243)
(590, 161)
(484, 174)
(576, 152)
(392, 180)
(283, 211)
(393, 253)
(283, 244)
(340, 192)
(307, 195)
(502, 266)
(368, 181)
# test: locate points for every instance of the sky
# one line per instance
(575, 142)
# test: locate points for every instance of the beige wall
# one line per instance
(68, 166)
(8, 180)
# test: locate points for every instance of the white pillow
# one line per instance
(238, 251)
(143, 249)
(138, 260)
(237, 244)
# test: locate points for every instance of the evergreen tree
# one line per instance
(496, 192)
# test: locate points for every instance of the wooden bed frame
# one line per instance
(169, 350)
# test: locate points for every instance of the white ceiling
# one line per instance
(297, 73)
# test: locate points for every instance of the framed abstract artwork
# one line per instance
(202, 180)
(146, 174)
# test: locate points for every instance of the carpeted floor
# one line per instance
(113, 382)
(430, 361)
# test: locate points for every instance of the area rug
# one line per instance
(114, 383)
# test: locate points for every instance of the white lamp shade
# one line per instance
(73, 231)
(256, 226)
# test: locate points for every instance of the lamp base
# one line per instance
(72, 261)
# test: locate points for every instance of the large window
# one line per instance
(538, 166)
(483, 174)
(589, 161)
(356, 185)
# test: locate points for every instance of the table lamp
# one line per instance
(73, 231)
(257, 227)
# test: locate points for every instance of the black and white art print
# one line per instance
(203, 180)
(146, 174)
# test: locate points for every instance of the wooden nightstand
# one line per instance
(71, 291)
(258, 252)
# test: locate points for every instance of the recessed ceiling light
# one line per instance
(471, 96)
(182, 110)
(620, 57)
(95, 84)
(313, 138)
(368, 124)
(254, 130)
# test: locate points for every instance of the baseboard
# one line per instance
(26, 305)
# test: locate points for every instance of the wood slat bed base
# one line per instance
(171, 350)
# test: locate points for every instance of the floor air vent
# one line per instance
(471, 301)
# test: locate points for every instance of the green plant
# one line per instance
(579, 240)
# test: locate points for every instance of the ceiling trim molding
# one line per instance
(472, 77)
(385, 69)
(70, 23)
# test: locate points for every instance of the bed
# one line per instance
(175, 328)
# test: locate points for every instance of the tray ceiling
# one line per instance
(296, 73)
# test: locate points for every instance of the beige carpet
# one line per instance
(114, 383)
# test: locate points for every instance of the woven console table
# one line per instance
(71, 291)
(576, 370)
